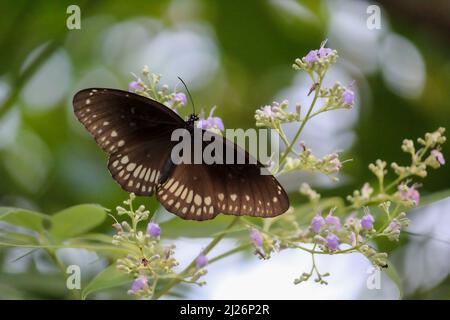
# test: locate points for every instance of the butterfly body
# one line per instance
(136, 132)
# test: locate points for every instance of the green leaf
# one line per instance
(177, 227)
(17, 238)
(94, 237)
(434, 197)
(23, 218)
(77, 220)
(392, 273)
(108, 278)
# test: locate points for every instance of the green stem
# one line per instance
(26, 74)
(396, 182)
(388, 221)
(401, 178)
(63, 270)
(210, 246)
(299, 131)
(230, 252)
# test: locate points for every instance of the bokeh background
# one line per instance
(236, 55)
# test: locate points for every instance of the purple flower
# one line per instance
(333, 220)
(311, 56)
(332, 241)
(154, 229)
(139, 284)
(179, 97)
(438, 156)
(334, 164)
(409, 193)
(256, 237)
(201, 261)
(134, 86)
(353, 239)
(367, 221)
(350, 219)
(211, 122)
(348, 96)
(317, 222)
(324, 52)
(394, 227)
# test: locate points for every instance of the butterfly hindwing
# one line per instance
(200, 191)
(209, 190)
(139, 167)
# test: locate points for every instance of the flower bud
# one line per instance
(201, 261)
(317, 222)
(134, 86)
(139, 284)
(332, 242)
(332, 220)
(256, 237)
(367, 220)
(153, 229)
(348, 97)
(438, 156)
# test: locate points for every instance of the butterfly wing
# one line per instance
(201, 191)
(133, 130)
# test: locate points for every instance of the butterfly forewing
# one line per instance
(133, 130)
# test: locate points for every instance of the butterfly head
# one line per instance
(192, 118)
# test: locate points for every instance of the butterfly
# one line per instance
(136, 131)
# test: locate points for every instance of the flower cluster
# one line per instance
(354, 232)
(150, 87)
(317, 60)
(306, 161)
(273, 115)
(431, 141)
(329, 235)
(212, 123)
(147, 259)
(322, 226)
(315, 64)
(401, 190)
(337, 97)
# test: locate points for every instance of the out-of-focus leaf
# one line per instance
(103, 248)
(392, 273)
(34, 285)
(28, 161)
(23, 218)
(434, 197)
(108, 278)
(94, 237)
(17, 237)
(76, 220)
(195, 229)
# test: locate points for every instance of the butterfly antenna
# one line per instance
(189, 94)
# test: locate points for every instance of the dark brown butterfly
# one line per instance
(136, 133)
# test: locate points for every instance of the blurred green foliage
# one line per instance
(256, 45)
